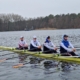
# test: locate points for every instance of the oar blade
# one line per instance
(2, 60)
(18, 65)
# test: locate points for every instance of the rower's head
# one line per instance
(34, 38)
(48, 38)
(65, 37)
(21, 38)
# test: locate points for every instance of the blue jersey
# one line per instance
(66, 43)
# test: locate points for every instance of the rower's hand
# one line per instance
(73, 49)
(55, 48)
(69, 54)
(39, 47)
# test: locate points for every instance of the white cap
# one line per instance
(34, 37)
(21, 36)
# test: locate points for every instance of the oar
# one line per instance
(1, 51)
(77, 48)
(2, 60)
(6, 54)
(19, 65)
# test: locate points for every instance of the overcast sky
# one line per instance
(38, 8)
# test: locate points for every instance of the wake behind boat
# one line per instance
(40, 54)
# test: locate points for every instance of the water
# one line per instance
(36, 71)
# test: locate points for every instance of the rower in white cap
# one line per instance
(35, 44)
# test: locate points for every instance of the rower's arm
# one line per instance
(53, 45)
(33, 44)
(38, 43)
(62, 45)
(71, 45)
(20, 43)
(49, 47)
(25, 43)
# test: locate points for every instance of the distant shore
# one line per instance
(46, 29)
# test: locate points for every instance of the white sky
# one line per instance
(39, 8)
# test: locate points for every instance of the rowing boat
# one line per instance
(57, 57)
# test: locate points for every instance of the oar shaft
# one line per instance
(2, 60)
(20, 65)
(11, 58)
(6, 54)
(2, 50)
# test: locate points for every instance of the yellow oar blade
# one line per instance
(7, 59)
(2, 60)
(18, 65)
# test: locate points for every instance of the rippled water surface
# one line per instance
(36, 71)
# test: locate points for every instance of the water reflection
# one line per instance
(66, 66)
(22, 58)
(35, 60)
(47, 64)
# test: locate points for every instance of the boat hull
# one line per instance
(72, 59)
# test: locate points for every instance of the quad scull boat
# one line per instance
(72, 59)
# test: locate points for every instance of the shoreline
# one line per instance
(47, 29)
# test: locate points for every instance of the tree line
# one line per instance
(14, 22)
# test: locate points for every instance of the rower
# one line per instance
(35, 44)
(22, 43)
(49, 47)
(64, 47)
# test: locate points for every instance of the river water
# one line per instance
(36, 71)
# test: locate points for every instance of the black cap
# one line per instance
(48, 37)
(65, 36)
